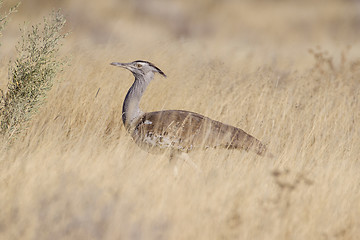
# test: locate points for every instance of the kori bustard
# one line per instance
(177, 130)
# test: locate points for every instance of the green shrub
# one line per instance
(32, 73)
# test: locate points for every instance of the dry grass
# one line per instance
(76, 174)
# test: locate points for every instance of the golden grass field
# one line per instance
(287, 72)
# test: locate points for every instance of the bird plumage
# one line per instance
(177, 130)
(186, 131)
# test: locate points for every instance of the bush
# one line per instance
(32, 74)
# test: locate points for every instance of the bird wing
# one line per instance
(185, 131)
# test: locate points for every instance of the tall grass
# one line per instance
(76, 174)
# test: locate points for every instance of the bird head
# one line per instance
(140, 67)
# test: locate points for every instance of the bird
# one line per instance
(179, 131)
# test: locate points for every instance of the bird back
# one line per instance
(186, 131)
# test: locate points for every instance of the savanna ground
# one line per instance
(288, 72)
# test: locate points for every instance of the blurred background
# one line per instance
(227, 27)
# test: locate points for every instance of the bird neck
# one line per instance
(131, 110)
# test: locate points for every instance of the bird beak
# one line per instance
(124, 65)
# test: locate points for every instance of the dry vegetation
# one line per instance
(286, 72)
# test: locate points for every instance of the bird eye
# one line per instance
(138, 65)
